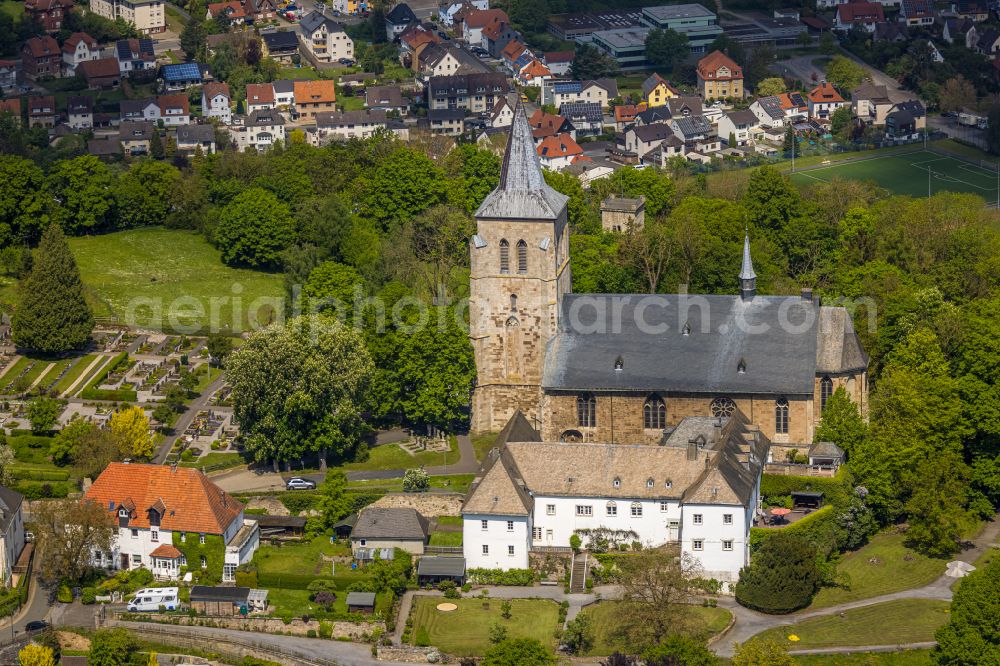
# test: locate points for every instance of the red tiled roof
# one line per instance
(235, 9)
(260, 93)
(167, 551)
(545, 124)
(12, 105)
(559, 145)
(824, 93)
(315, 92)
(513, 50)
(69, 46)
(480, 18)
(625, 113)
(39, 47)
(860, 12)
(558, 56)
(98, 69)
(180, 100)
(710, 64)
(215, 88)
(192, 503)
(534, 69)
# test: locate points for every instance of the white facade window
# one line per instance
(636, 509)
(137, 560)
(727, 519)
(584, 510)
(536, 533)
(612, 509)
(510, 525)
(664, 506)
(204, 562)
(484, 524)
(154, 536)
(135, 533)
(201, 538)
(696, 519)
(697, 544)
(510, 551)
(727, 544)
(486, 549)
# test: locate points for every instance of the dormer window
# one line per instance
(649, 484)
(686, 330)
(741, 367)
(619, 363)
(123, 513)
(617, 482)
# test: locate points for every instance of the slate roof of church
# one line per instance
(522, 193)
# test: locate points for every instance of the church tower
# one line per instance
(519, 274)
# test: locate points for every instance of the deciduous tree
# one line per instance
(844, 73)
(956, 94)
(655, 590)
(130, 428)
(36, 655)
(970, 637)
(666, 49)
(842, 423)
(83, 190)
(68, 532)
(254, 229)
(774, 85)
(43, 412)
(762, 653)
(592, 63)
(111, 647)
(334, 503)
(518, 652)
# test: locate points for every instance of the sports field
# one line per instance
(908, 174)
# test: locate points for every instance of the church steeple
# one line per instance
(748, 279)
(522, 193)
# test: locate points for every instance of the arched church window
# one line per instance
(723, 407)
(825, 391)
(586, 411)
(654, 413)
(781, 416)
(513, 302)
(504, 256)
(571, 436)
(522, 257)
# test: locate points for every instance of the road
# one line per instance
(185, 419)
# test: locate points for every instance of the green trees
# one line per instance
(24, 209)
(592, 63)
(68, 552)
(518, 652)
(842, 423)
(254, 229)
(679, 649)
(144, 193)
(52, 315)
(970, 637)
(43, 412)
(774, 85)
(193, 38)
(666, 49)
(844, 73)
(762, 653)
(782, 576)
(111, 647)
(578, 636)
(334, 503)
(83, 188)
(300, 389)
(403, 184)
(332, 287)
(655, 586)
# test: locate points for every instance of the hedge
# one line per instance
(836, 490)
(819, 527)
(116, 395)
(519, 577)
(31, 448)
(31, 474)
(35, 490)
(299, 501)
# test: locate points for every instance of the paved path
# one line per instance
(926, 645)
(84, 375)
(185, 419)
(750, 623)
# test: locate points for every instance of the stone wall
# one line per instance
(412, 655)
(428, 504)
(551, 566)
(261, 625)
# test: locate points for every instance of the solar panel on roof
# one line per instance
(146, 46)
(569, 87)
(182, 72)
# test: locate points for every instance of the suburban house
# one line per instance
(50, 14)
(641, 139)
(284, 93)
(41, 57)
(699, 489)
(215, 102)
(988, 42)
(325, 39)
(381, 528)
(450, 122)
(917, 13)
(534, 73)
(311, 97)
(660, 114)
(558, 152)
(558, 62)
(448, 60)
(167, 517)
(79, 47)
(11, 105)
(513, 52)
(351, 7)
(260, 96)
(281, 46)
(544, 125)
(139, 109)
(42, 111)
(387, 98)
(148, 16)
(477, 93)
(397, 20)
(823, 101)
(502, 114)
(768, 112)
(585, 117)
(449, 8)
(8, 74)
(870, 103)
(477, 21)
(183, 75)
(625, 116)
(80, 112)
(915, 108)
(865, 15)
(719, 77)
(134, 137)
(258, 130)
(135, 55)
(736, 127)
(257, 11)
(559, 92)
(100, 74)
(973, 10)
(960, 31)
(11, 531)
(344, 125)
(794, 105)
(414, 42)
(231, 11)
(174, 109)
(192, 137)
(656, 90)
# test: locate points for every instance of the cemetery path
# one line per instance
(84, 375)
(10, 364)
(185, 419)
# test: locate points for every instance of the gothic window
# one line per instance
(522, 257)
(825, 391)
(654, 413)
(586, 411)
(723, 407)
(781, 416)
(504, 256)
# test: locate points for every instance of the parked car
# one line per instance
(36, 625)
(346, 61)
(298, 483)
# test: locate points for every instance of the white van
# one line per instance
(152, 598)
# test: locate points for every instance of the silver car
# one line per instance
(298, 483)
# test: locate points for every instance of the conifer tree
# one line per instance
(52, 315)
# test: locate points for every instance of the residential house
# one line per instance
(915, 109)
(351, 7)
(42, 111)
(661, 155)
(139, 109)
(231, 11)
(625, 116)
(183, 75)
(448, 9)
(102, 74)
(864, 15)
(386, 98)
(512, 53)
(260, 96)
(901, 125)
(585, 117)
(641, 139)
(544, 125)
(284, 93)
(414, 42)
(768, 112)
(450, 122)
(917, 13)
(988, 42)
(325, 39)
(192, 138)
(559, 62)
(50, 14)
(345, 125)
(108, 148)
(960, 31)
(476, 21)
(477, 93)
(8, 74)
(502, 114)
(558, 152)
(656, 90)
(281, 46)
(652, 116)
(704, 498)
(258, 130)
(691, 130)
(41, 57)
(719, 77)
(497, 35)
(11, 105)
(258, 11)
(684, 107)
(823, 101)
(736, 127)
(973, 10)
(216, 102)
(79, 47)
(147, 16)
(794, 105)
(165, 515)
(559, 92)
(311, 97)
(174, 109)
(533, 74)
(389, 528)
(870, 103)
(397, 20)
(135, 55)
(11, 532)
(449, 59)
(891, 31)
(80, 112)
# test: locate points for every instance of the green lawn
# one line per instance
(901, 658)
(53, 372)
(908, 174)
(465, 632)
(163, 278)
(218, 460)
(884, 565)
(206, 375)
(450, 520)
(351, 103)
(391, 456)
(704, 623)
(300, 73)
(91, 376)
(891, 623)
(446, 539)
(175, 21)
(482, 443)
(299, 558)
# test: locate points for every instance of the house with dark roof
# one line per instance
(50, 14)
(870, 103)
(383, 527)
(449, 59)
(100, 74)
(736, 127)
(387, 98)
(346, 125)
(768, 111)
(656, 90)
(170, 518)
(281, 45)
(324, 39)
(988, 42)
(397, 20)
(960, 31)
(258, 130)
(917, 13)
(192, 138)
(135, 55)
(11, 532)
(80, 112)
(640, 139)
(973, 10)
(40, 57)
(139, 109)
(449, 122)
(181, 76)
(585, 117)
(477, 93)
(42, 111)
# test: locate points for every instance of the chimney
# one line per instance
(807, 294)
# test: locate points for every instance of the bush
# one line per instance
(782, 577)
(187, 455)
(325, 599)
(518, 577)
(298, 502)
(64, 595)
(311, 633)
(246, 579)
(325, 630)
(422, 638)
(88, 595)
(416, 481)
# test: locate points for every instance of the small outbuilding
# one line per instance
(361, 602)
(826, 454)
(807, 499)
(280, 526)
(219, 600)
(384, 527)
(433, 570)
